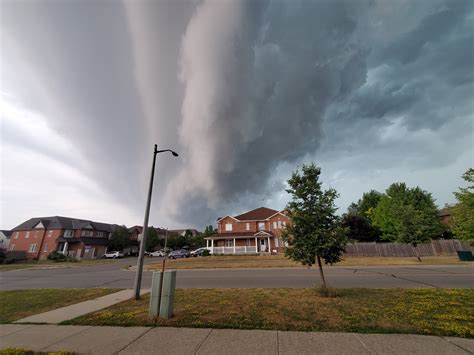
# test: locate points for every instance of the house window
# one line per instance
(228, 243)
(68, 233)
(101, 234)
(50, 233)
(45, 247)
(27, 235)
(32, 248)
(261, 226)
(275, 225)
(247, 226)
(284, 224)
(277, 242)
(12, 247)
(279, 224)
(228, 227)
(247, 242)
(17, 234)
(86, 233)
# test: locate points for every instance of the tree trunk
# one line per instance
(417, 253)
(322, 273)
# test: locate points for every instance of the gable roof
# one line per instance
(6, 233)
(58, 222)
(257, 214)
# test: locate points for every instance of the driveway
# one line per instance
(111, 275)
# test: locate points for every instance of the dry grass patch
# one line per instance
(19, 304)
(416, 311)
(275, 261)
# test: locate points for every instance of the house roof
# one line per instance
(231, 235)
(257, 214)
(6, 233)
(58, 222)
(445, 212)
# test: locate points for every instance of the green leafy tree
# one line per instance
(152, 239)
(360, 228)
(358, 218)
(462, 219)
(407, 215)
(208, 231)
(366, 204)
(119, 239)
(315, 231)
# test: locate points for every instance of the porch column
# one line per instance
(269, 246)
(65, 248)
(207, 243)
(212, 246)
(234, 245)
(256, 246)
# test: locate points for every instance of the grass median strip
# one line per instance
(19, 304)
(270, 261)
(448, 312)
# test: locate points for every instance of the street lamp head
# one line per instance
(174, 153)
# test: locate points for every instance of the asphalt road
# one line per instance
(111, 275)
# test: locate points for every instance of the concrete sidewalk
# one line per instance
(143, 340)
(76, 310)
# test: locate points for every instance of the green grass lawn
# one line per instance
(279, 260)
(45, 264)
(19, 304)
(417, 311)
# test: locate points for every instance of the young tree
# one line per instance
(407, 215)
(315, 231)
(462, 222)
(119, 239)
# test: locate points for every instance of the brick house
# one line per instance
(78, 238)
(253, 232)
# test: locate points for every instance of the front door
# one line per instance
(263, 245)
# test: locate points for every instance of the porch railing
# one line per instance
(230, 250)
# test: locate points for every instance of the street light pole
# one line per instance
(141, 254)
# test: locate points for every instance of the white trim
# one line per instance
(39, 225)
(278, 213)
(220, 219)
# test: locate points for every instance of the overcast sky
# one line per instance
(374, 92)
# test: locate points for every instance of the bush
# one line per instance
(56, 256)
(206, 253)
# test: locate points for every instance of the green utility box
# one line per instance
(465, 256)
(155, 294)
(167, 295)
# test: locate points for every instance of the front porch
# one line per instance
(239, 244)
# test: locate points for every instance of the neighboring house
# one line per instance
(444, 215)
(256, 231)
(135, 236)
(78, 238)
(4, 238)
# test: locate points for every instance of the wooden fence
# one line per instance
(435, 248)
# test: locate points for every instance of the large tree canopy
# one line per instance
(315, 231)
(462, 223)
(407, 215)
(119, 239)
(357, 218)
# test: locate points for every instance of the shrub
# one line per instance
(56, 256)
(206, 253)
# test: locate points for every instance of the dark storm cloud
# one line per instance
(244, 90)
